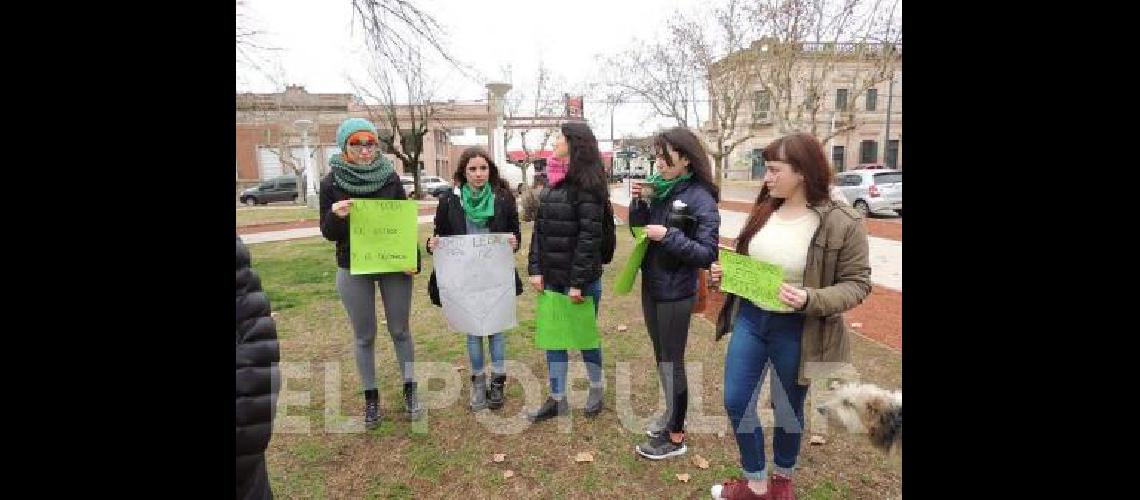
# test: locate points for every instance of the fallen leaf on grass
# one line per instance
(700, 461)
(499, 457)
(684, 478)
(817, 440)
(584, 456)
(622, 328)
(507, 474)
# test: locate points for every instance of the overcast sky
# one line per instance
(320, 43)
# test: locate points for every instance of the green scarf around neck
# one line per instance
(478, 206)
(662, 187)
(360, 179)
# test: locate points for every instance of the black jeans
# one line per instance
(668, 325)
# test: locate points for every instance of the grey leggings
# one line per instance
(668, 325)
(358, 294)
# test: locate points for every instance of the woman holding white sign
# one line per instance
(362, 171)
(821, 247)
(480, 203)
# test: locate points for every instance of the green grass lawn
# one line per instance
(449, 454)
(247, 216)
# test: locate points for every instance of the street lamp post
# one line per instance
(310, 179)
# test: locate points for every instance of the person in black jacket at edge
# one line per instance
(258, 380)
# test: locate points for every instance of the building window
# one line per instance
(761, 103)
(892, 154)
(841, 99)
(872, 98)
(868, 151)
(757, 164)
(480, 130)
(837, 153)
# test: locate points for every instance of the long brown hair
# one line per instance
(494, 180)
(804, 153)
(687, 145)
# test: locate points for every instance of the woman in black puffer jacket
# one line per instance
(258, 380)
(566, 253)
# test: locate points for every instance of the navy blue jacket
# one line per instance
(670, 266)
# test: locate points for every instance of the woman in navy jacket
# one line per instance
(678, 207)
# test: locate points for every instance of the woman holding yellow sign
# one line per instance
(678, 207)
(361, 171)
(821, 247)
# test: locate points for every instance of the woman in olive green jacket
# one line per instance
(821, 247)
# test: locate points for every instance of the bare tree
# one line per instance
(538, 102)
(395, 29)
(276, 114)
(254, 52)
(811, 44)
(729, 71)
(664, 77)
(401, 103)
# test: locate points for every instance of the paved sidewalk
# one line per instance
(304, 232)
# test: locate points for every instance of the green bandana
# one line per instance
(478, 206)
(662, 187)
(360, 179)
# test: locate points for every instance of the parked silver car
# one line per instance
(872, 191)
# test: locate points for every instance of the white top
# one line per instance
(785, 243)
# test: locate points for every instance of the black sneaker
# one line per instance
(661, 447)
(495, 392)
(656, 426)
(411, 403)
(550, 408)
(371, 409)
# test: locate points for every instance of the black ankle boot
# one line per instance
(371, 409)
(550, 408)
(495, 392)
(411, 402)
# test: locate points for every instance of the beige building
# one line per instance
(845, 102)
(269, 144)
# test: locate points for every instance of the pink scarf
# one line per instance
(555, 171)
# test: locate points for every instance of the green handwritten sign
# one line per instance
(752, 279)
(562, 324)
(382, 236)
(624, 282)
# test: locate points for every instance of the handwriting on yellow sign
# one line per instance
(382, 236)
(752, 279)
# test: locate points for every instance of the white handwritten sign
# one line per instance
(476, 278)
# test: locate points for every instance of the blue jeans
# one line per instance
(557, 361)
(760, 337)
(498, 345)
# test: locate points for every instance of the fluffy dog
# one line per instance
(865, 408)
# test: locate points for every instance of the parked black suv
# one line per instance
(282, 188)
